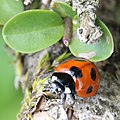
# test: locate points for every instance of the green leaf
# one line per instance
(95, 52)
(10, 98)
(9, 8)
(33, 30)
(63, 9)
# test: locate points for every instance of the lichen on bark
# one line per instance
(88, 32)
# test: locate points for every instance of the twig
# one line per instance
(67, 31)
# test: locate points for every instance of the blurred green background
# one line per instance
(10, 98)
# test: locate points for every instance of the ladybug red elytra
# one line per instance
(75, 76)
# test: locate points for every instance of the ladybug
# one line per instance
(72, 77)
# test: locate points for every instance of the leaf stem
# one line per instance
(67, 31)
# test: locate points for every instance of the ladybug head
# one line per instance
(55, 85)
(62, 84)
(56, 88)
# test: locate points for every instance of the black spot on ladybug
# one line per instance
(93, 74)
(89, 90)
(76, 72)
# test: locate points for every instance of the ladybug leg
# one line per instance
(72, 96)
(63, 98)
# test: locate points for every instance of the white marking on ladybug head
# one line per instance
(67, 90)
(54, 78)
(59, 89)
